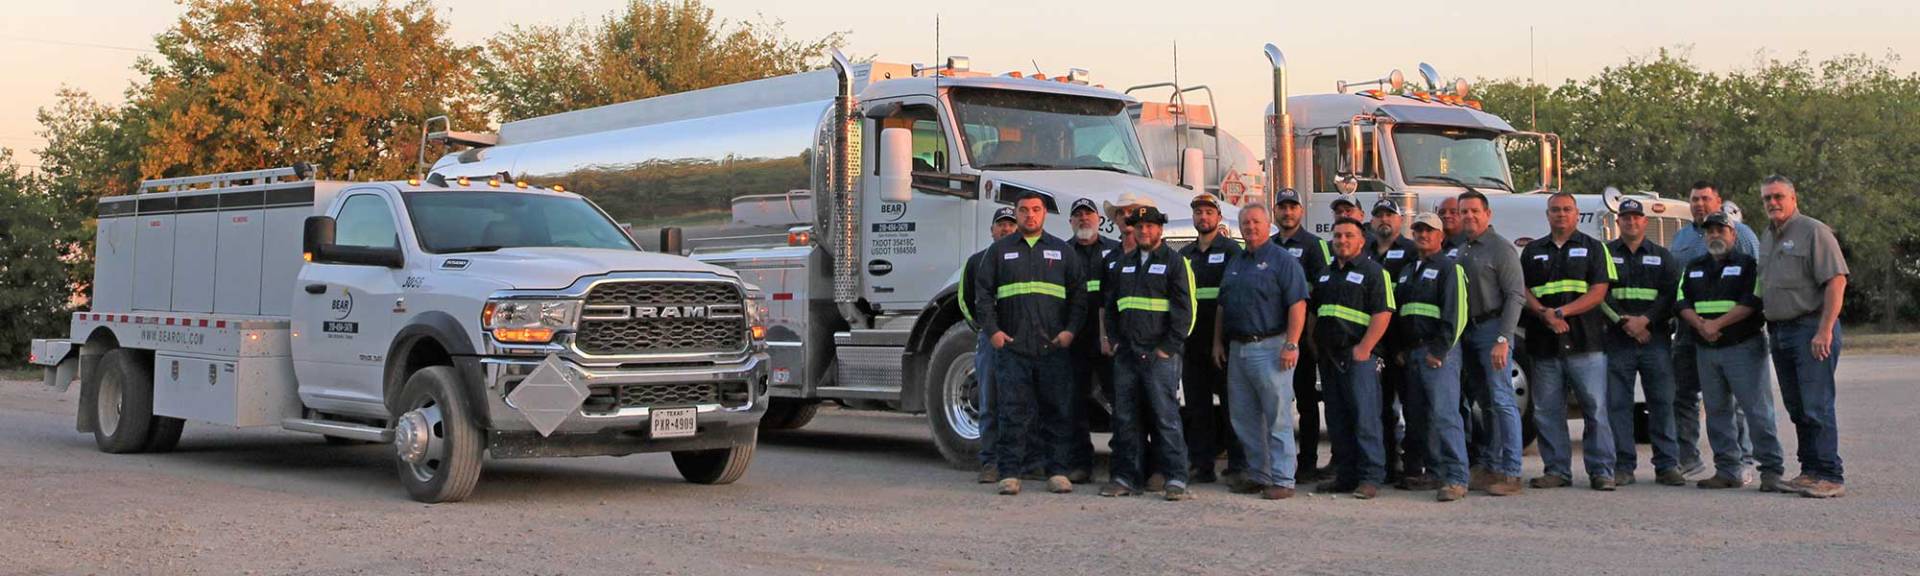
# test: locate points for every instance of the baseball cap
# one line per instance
(1631, 206)
(1349, 199)
(1146, 214)
(1004, 213)
(1386, 204)
(1428, 219)
(1205, 199)
(1287, 195)
(1718, 219)
(1083, 204)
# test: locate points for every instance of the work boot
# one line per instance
(1276, 492)
(1623, 478)
(1418, 482)
(1602, 483)
(1670, 477)
(988, 474)
(1771, 482)
(1059, 484)
(1176, 493)
(1203, 476)
(1115, 489)
(1366, 491)
(1800, 484)
(1480, 478)
(1009, 486)
(1451, 492)
(1549, 481)
(1157, 482)
(1243, 486)
(1232, 477)
(1718, 482)
(1694, 468)
(1080, 476)
(1823, 489)
(1506, 486)
(1309, 474)
(1335, 486)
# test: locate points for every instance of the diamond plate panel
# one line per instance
(550, 395)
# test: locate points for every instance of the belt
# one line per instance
(1252, 338)
(1484, 317)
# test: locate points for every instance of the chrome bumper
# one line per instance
(503, 374)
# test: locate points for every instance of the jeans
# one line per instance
(1152, 383)
(1652, 363)
(983, 380)
(1353, 416)
(1433, 407)
(1262, 412)
(1686, 404)
(1208, 426)
(1088, 365)
(1585, 374)
(1029, 405)
(1404, 448)
(1306, 398)
(1806, 386)
(1492, 389)
(1735, 386)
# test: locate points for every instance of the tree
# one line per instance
(36, 236)
(247, 84)
(653, 47)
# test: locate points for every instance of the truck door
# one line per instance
(343, 313)
(910, 250)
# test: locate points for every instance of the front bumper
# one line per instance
(622, 430)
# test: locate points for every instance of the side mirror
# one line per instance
(317, 235)
(1193, 169)
(896, 165)
(1356, 151)
(671, 240)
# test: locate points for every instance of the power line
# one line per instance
(79, 44)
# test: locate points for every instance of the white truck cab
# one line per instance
(454, 318)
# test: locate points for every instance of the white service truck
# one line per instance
(455, 319)
(851, 195)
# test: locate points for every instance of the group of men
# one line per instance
(1390, 326)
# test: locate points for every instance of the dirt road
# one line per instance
(865, 493)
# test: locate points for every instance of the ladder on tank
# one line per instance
(1184, 128)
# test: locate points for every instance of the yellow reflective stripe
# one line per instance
(1634, 293)
(1024, 288)
(1713, 306)
(1560, 287)
(1193, 302)
(1143, 303)
(1421, 309)
(1680, 292)
(1345, 313)
(1607, 255)
(1093, 285)
(1206, 293)
(1608, 310)
(1326, 252)
(1460, 304)
(1389, 284)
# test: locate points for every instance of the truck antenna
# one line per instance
(936, 45)
(1036, 67)
(1533, 109)
(1176, 65)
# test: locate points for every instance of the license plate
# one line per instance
(673, 423)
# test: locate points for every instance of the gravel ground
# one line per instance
(862, 492)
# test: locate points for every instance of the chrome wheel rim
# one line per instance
(963, 397)
(419, 440)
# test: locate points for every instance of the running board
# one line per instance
(346, 430)
(859, 393)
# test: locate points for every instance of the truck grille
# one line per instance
(1662, 229)
(662, 318)
(640, 395)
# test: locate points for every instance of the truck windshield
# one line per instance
(1436, 154)
(450, 222)
(1016, 130)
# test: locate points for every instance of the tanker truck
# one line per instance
(1417, 142)
(851, 195)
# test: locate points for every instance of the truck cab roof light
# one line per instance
(464, 181)
(520, 184)
(559, 188)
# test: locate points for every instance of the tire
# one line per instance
(166, 434)
(719, 466)
(1523, 386)
(123, 402)
(952, 398)
(451, 448)
(788, 414)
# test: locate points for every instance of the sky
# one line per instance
(91, 45)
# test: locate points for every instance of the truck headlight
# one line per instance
(756, 310)
(529, 321)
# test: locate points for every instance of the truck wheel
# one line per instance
(953, 398)
(788, 414)
(123, 402)
(166, 434)
(719, 466)
(437, 447)
(1520, 367)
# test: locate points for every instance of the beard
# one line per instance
(1085, 234)
(1383, 231)
(1718, 248)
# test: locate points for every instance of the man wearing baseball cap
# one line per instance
(1208, 426)
(1432, 293)
(1348, 206)
(1086, 360)
(1639, 309)
(1003, 224)
(1720, 302)
(1289, 215)
(1406, 469)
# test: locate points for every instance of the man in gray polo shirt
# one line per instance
(1803, 278)
(1496, 290)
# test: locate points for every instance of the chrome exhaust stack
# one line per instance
(844, 221)
(1279, 130)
